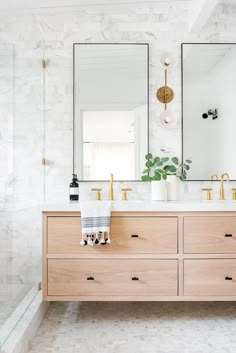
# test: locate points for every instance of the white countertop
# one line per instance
(177, 206)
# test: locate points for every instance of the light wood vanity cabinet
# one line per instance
(130, 234)
(210, 277)
(101, 277)
(153, 256)
(210, 235)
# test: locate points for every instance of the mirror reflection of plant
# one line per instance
(158, 168)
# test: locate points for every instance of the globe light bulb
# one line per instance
(168, 60)
(168, 119)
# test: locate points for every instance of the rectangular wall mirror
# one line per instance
(110, 110)
(208, 98)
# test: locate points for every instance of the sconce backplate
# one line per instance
(165, 94)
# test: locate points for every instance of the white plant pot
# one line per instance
(158, 190)
(172, 188)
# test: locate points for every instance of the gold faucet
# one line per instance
(214, 176)
(222, 191)
(111, 187)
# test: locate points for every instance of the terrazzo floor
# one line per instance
(132, 327)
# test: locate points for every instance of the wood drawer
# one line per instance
(210, 277)
(216, 235)
(74, 277)
(128, 235)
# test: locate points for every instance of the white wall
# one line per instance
(211, 143)
(223, 88)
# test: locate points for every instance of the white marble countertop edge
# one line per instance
(146, 206)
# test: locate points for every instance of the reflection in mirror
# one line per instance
(208, 88)
(110, 110)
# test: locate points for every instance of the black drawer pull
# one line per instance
(135, 278)
(134, 235)
(228, 278)
(90, 278)
(228, 235)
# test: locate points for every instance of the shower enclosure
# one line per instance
(22, 113)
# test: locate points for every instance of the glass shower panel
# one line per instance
(21, 179)
(6, 168)
(6, 116)
(28, 153)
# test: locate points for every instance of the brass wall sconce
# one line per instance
(165, 94)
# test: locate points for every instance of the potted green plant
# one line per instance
(164, 172)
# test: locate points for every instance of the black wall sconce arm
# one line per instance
(211, 112)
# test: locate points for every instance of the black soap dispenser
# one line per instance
(74, 189)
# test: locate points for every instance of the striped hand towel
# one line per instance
(95, 220)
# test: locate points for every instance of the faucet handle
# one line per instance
(233, 193)
(208, 193)
(124, 195)
(98, 195)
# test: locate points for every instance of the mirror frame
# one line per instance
(182, 101)
(73, 157)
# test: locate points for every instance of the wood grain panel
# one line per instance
(209, 277)
(210, 235)
(155, 234)
(69, 277)
(64, 235)
(128, 234)
(44, 258)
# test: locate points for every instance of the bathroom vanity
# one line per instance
(159, 252)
